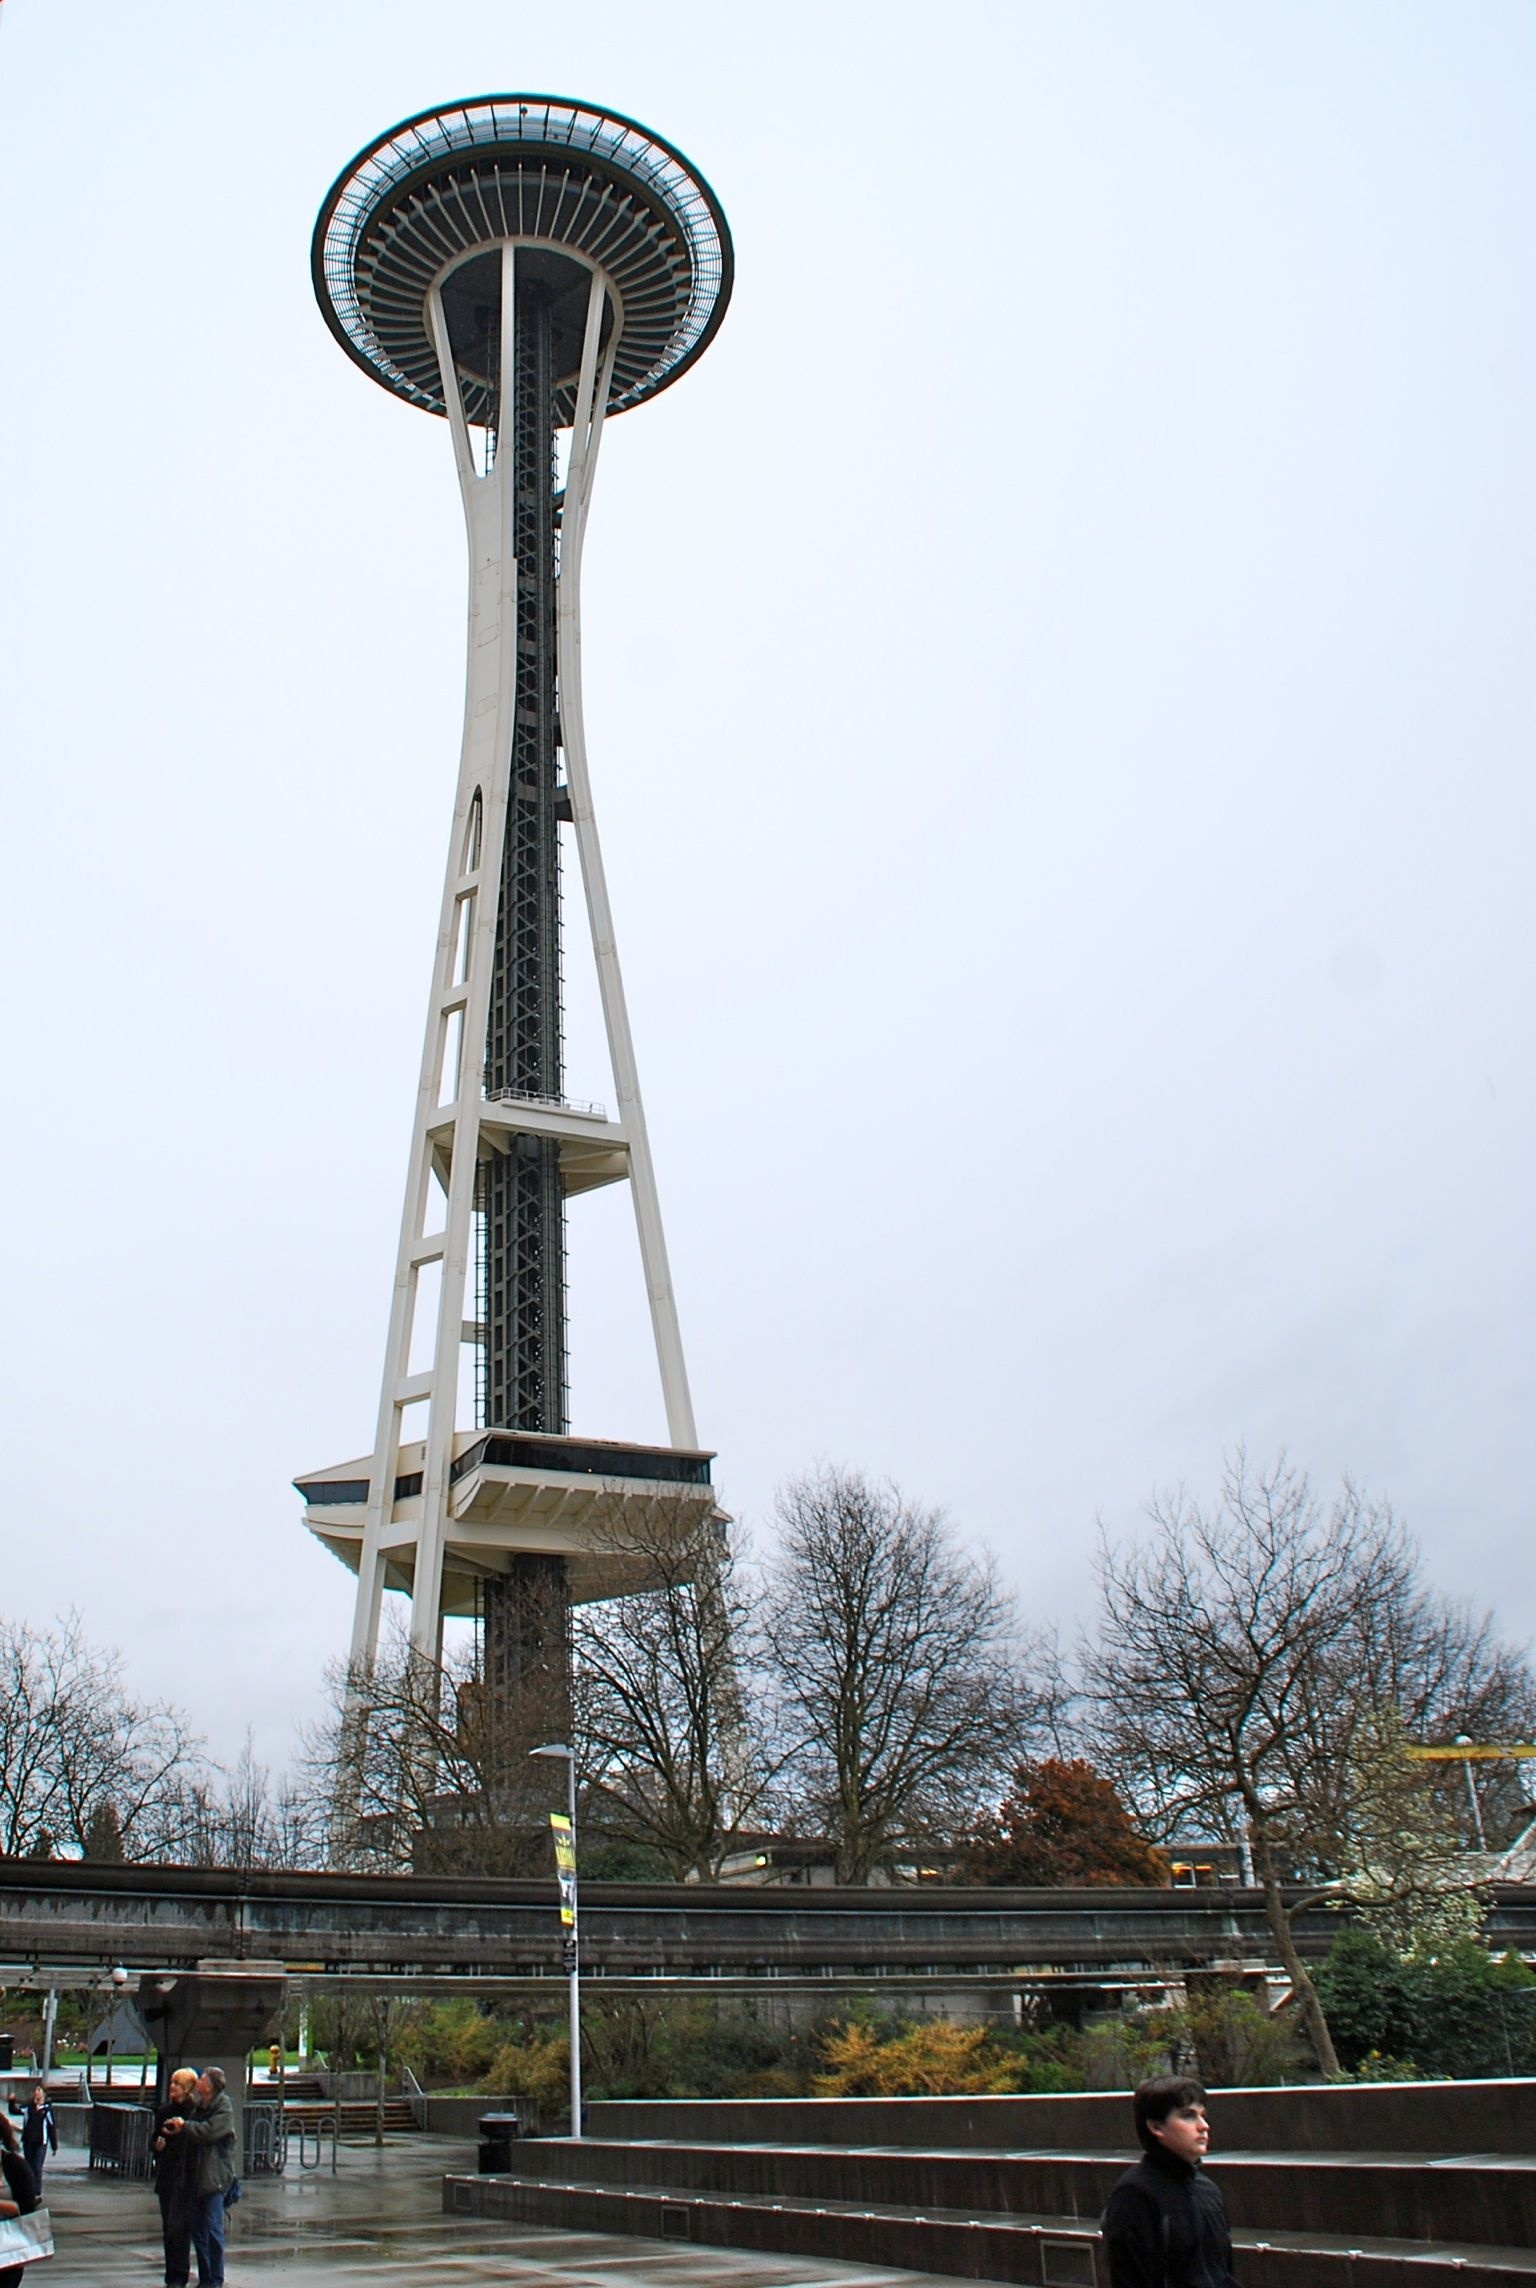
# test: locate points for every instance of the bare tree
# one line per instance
(389, 2018)
(81, 1759)
(1255, 1664)
(904, 1688)
(669, 1756)
(423, 1767)
(242, 1817)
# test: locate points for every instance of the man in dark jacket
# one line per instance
(1166, 2224)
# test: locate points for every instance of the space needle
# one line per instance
(524, 268)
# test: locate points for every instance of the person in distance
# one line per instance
(39, 2137)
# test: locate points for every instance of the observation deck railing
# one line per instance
(584, 1107)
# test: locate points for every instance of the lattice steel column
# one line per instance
(522, 1292)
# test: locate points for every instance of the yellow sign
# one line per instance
(565, 1865)
(1475, 1752)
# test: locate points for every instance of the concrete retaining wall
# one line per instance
(1385, 2117)
(460, 2116)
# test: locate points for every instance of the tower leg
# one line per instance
(437, 1225)
(586, 437)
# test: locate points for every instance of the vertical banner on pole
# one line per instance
(565, 1865)
(565, 1870)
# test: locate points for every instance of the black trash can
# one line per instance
(497, 2131)
(7, 2052)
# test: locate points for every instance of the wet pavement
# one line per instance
(380, 2218)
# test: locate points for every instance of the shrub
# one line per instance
(1374, 2067)
(1237, 2044)
(452, 2041)
(932, 2058)
(537, 2066)
(1458, 2012)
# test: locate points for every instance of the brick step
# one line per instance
(1058, 2252)
(1488, 2201)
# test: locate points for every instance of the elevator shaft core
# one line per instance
(522, 1379)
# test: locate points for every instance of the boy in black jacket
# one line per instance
(1166, 2224)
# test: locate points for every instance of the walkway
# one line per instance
(379, 2219)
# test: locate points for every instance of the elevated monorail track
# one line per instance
(71, 1920)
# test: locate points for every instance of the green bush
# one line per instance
(1237, 2044)
(641, 2048)
(1458, 2013)
(453, 2041)
(538, 2066)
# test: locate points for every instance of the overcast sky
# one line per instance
(1061, 707)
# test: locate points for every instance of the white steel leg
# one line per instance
(456, 1023)
(591, 401)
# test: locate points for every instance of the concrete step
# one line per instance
(1349, 2117)
(1055, 2251)
(1487, 2200)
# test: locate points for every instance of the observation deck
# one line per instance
(579, 188)
(514, 1489)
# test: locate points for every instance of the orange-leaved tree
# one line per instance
(1062, 1824)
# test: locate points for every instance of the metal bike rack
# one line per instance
(313, 2134)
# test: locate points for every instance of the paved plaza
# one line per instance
(380, 2218)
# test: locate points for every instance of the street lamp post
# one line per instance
(567, 1756)
(1463, 1740)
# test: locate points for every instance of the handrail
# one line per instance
(583, 1106)
(417, 2096)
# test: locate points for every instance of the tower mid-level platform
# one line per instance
(514, 1492)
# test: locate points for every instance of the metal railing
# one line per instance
(120, 2139)
(416, 2095)
(583, 1106)
(265, 2147)
(349, 2086)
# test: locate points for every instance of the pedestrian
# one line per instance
(210, 2126)
(175, 2168)
(1166, 2223)
(22, 2187)
(38, 2134)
